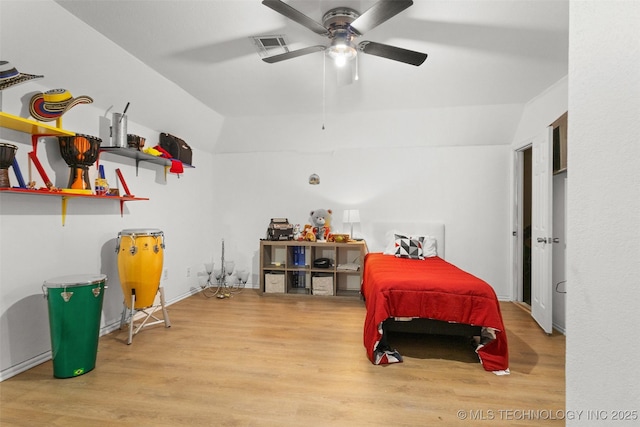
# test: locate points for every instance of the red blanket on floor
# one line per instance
(433, 289)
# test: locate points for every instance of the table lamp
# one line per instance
(351, 216)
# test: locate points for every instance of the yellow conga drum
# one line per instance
(140, 256)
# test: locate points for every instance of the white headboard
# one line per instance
(376, 242)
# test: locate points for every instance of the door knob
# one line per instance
(542, 240)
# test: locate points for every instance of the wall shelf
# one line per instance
(65, 196)
(36, 130)
(140, 156)
(32, 127)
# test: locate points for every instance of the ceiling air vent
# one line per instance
(270, 45)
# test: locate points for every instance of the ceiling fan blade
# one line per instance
(391, 52)
(293, 54)
(297, 16)
(378, 13)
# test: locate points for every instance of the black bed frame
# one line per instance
(430, 326)
(424, 326)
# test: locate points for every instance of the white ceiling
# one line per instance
(480, 52)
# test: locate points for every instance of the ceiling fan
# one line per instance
(343, 25)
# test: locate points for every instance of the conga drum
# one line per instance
(7, 154)
(75, 308)
(140, 256)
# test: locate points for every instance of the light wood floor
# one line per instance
(291, 361)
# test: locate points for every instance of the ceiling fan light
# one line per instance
(340, 60)
(341, 52)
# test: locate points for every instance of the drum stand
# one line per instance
(128, 315)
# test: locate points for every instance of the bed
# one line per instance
(419, 291)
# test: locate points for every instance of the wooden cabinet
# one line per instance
(288, 267)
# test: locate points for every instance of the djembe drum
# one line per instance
(80, 152)
(140, 256)
(7, 154)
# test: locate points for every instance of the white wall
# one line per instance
(34, 246)
(453, 126)
(603, 199)
(80, 59)
(540, 112)
(465, 187)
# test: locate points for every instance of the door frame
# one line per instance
(518, 218)
(517, 248)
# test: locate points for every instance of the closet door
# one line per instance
(542, 231)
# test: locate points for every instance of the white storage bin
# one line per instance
(322, 285)
(274, 283)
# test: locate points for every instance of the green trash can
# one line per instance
(75, 308)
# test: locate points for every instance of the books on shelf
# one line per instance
(299, 257)
(299, 280)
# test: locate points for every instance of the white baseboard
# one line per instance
(560, 329)
(46, 356)
(25, 366)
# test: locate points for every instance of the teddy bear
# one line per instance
(320, 220)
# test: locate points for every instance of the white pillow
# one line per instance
(429, 246)
(390, 241)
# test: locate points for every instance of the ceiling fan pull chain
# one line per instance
(324, 89)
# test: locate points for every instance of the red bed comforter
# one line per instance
(433, 289)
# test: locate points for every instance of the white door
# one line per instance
(541, 231)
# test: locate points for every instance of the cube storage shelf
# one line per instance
(287, 267)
